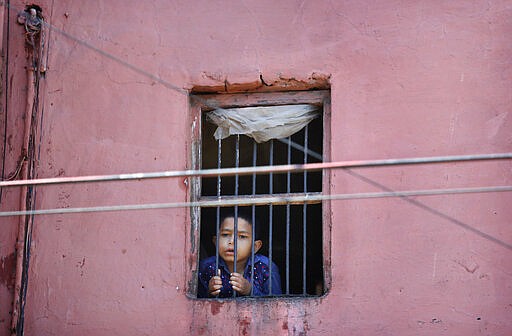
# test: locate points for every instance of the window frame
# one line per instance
(200, 103)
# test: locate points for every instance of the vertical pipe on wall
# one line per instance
(4, 37)
(20, 242)
(32, 20)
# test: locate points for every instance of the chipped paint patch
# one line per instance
(221, 84)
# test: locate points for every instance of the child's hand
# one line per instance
(215, 284)
(240, 284)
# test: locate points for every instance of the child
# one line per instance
(222, 281)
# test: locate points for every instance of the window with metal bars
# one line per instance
(292, 233)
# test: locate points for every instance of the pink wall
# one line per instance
(408, 79)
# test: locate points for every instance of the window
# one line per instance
(294, 235)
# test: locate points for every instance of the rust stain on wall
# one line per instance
(7, 270)
(244, 321)
(215, 307)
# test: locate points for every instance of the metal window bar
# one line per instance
(287, 249)
(304, 213)
(235, 233)
(253, 212)
(217, 221)
(270, 209)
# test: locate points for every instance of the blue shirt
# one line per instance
(261, 281)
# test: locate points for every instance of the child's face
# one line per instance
(244, 242)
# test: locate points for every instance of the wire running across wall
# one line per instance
(278, 199)
(245, 201)
(259, 169)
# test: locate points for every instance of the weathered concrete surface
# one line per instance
(408, 79)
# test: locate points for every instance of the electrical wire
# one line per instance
(259, 169)
(250, 200)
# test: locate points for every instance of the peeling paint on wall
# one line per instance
(317, 81)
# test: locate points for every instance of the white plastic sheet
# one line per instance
(262, 122)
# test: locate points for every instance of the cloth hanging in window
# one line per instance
(262, 123)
